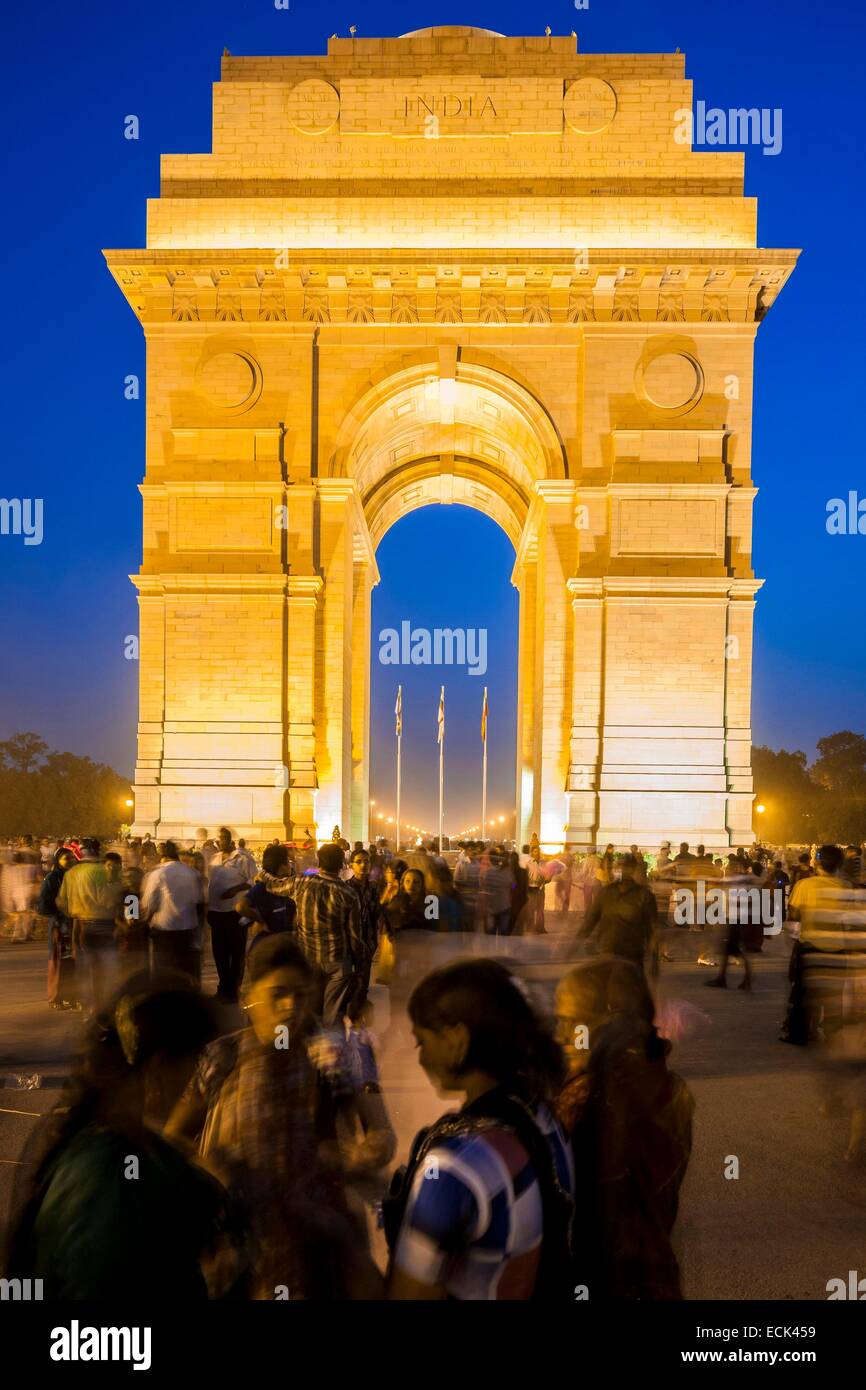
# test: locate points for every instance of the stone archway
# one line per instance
(452, 430)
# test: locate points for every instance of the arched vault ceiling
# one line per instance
(425, 481)
(420, 436)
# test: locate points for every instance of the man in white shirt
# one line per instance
(538, 881)
(229, 869)
(173, 906)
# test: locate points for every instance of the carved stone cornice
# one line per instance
(655, 586)
(537, 288)
(196, 582)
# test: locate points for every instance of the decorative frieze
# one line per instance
(634, 288)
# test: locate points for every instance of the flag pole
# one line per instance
(441, 769)
(399, 749)
(484, 773)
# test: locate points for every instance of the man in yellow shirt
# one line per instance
(91, 895)
(830, 950)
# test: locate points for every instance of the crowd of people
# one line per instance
(213, 1160)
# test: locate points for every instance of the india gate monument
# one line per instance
(451, 267)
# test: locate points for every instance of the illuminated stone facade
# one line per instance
(451, 267)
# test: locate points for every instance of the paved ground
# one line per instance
(794, 1218)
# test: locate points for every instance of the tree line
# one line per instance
(821, 803)
(45, 792)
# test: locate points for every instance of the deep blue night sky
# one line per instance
(75, 185)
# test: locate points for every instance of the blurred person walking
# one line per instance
(852, 866)
(640, 869)
(519, 894)
(562, 885)
(229, 876)
(206, 846)
(247, 858)
(273, 914)
(328, 925)
(61, 960)
(537, 881)
(173, 907)
(802, 868)
(284, 1117)
(91, 896)
(390, 885)
(149, 851)
(630, 1123)
(495, 885)
(663, 859)
(467, 881)
(112, 1207)
(21, 880)
(589, 876)
(448, 899)
(368, 931)
(738, 912)
(494, 1222)
(623, 920)
(824, 953)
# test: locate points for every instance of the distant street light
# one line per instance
(760, 808)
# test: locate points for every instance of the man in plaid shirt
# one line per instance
(328, 928)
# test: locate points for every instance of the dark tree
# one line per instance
(49, 793)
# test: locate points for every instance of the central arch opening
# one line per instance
(446, 569)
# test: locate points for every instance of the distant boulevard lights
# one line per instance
(760, 808)
(129, 802)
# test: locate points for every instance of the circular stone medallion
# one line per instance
(590, 105)
(313, 107)
(230, 380)
(671, 381)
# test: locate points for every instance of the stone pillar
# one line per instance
(151, 678)
(334, 654)
(738, 731)
(557, 550)
(304, 593)
(546, 560)
(525, 580)
(366, 575)
(587, 703)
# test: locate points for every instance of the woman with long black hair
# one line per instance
(407, 909)
(494, 1222)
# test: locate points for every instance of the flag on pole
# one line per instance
(484, 718)
(441, 737)
(398, 710)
